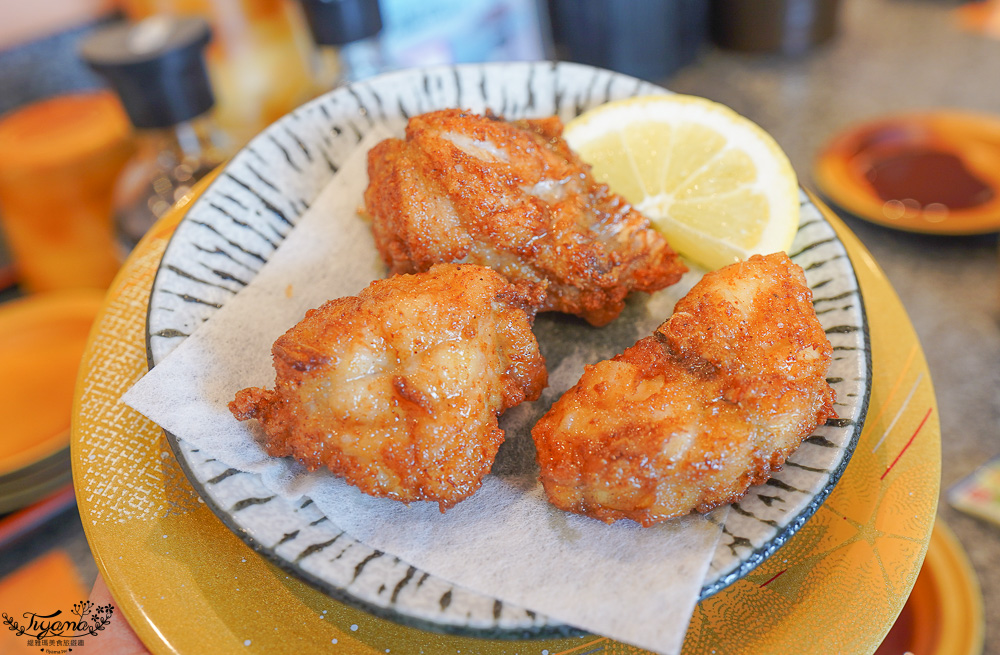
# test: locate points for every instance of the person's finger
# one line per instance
(117, 638)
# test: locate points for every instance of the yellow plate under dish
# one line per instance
(843, 165)
(42, 338)
(944, 614)
(184, 580)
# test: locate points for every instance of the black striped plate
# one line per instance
(242, 218)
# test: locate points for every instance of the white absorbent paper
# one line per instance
(633, 584)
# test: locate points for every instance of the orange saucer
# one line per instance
(960, 157)
(42, 338)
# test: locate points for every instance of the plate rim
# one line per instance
(553, 631)
(761, 554)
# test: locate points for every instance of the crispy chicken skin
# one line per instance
(690, 417)
(398, 389)
(514, 197)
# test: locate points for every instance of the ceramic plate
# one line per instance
(232, 229)
(948, 160)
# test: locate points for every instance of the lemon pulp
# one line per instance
(714, 183)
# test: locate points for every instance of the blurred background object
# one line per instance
(649, 39)
(791, 27)
(981, 17)
(258, 60)
(346, 36)
(157, 67)
(27, 22)
(59, 160)
(433, 32)
(42, 338)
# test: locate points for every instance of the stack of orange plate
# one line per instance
(42, 338)
(944, 614)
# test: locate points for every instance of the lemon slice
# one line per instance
(712, 182)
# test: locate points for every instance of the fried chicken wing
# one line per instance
(692, 416)
(398, 389)
(514, 197)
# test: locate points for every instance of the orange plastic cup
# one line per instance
(59, 160)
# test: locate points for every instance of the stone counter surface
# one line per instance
(891, 56)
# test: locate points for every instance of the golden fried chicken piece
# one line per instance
(514, 197)
(689, 418)
(398, 389)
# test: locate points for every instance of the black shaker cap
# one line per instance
(156, 65)
(338, 22)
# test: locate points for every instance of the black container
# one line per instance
(157, 66)
(790, 27)
(649, 39)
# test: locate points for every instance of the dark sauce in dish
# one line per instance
(927, 177)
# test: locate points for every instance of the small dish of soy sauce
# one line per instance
(933, 172)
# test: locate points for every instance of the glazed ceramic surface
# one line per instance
(232, 229)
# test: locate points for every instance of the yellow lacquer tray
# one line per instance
(186, 583)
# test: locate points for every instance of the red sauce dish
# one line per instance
(934, 172)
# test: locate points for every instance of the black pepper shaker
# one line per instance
(346, 37)
(157, 67)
